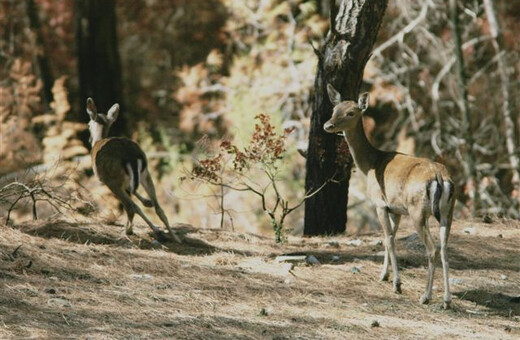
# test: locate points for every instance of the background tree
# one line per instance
(207, 67)
(341, 62)
(463, 103)
(40, 52)
(508, 115)
(99, 64)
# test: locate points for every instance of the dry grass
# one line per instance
(85, 280)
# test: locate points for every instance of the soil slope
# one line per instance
(85, 280)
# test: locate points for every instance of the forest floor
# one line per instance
(63, 279)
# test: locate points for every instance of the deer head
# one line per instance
(100, 123)
(346, 113)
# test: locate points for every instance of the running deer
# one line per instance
(121, 165)
(398, 184)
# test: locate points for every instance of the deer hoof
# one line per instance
(384, 277)
(129, 231)
(161, 236)
(397, 288)
(424, 300)
(447, 305)
(176, 238)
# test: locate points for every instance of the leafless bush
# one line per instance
(417, 63)
(35, 189)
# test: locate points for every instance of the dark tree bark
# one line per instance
(40, 52)
(341, 61)
(99, 63)
(467, 126)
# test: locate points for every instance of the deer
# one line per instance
(398, 184)
(121, 165)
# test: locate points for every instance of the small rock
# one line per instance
(50, 291)
(291, 258)
(515, 299)
(374, 323)
(410, 238)
(470, 230)
(287, 267)
(287, 281)
(144, 277)
(487, 219)
(266, 311)
(355, 243)
(59, 302)
(376, 243)
(355, 270)
(504, 277)
(455, 281)
(311, 259)
(334, 244)
(335, 258)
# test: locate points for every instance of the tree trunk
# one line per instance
(99, 64)
(467, 131)
(507, 114)
(341, 61)
(40, 52)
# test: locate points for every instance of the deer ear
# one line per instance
(334, 96)
(113, 113)
(91, 109)
(363, 101)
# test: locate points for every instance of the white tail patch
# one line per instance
(132, 176)
(135, 174)
(446, 191)
(435, 196)
(139, 168)
(444, 203)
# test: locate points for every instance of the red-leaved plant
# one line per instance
(232, 166)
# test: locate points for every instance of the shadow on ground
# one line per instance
(92, 233)
(496, 303)
(464, 252)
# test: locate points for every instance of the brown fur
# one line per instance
(110, 156)
(398, 185)
(115, 161)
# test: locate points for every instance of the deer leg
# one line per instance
(128, 204)
(130, 215)
(383, 215)
(146, 202)
(131, 207)
(444, 233)
(394, 223)
(385, 272)
(147, 183)
(421, 225)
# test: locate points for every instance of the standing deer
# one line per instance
(398, 184)
(121, 165)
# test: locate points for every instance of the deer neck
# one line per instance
(363, 152)
(97, 132)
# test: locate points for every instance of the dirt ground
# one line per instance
(66, 279)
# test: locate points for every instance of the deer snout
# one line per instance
(328, 126)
